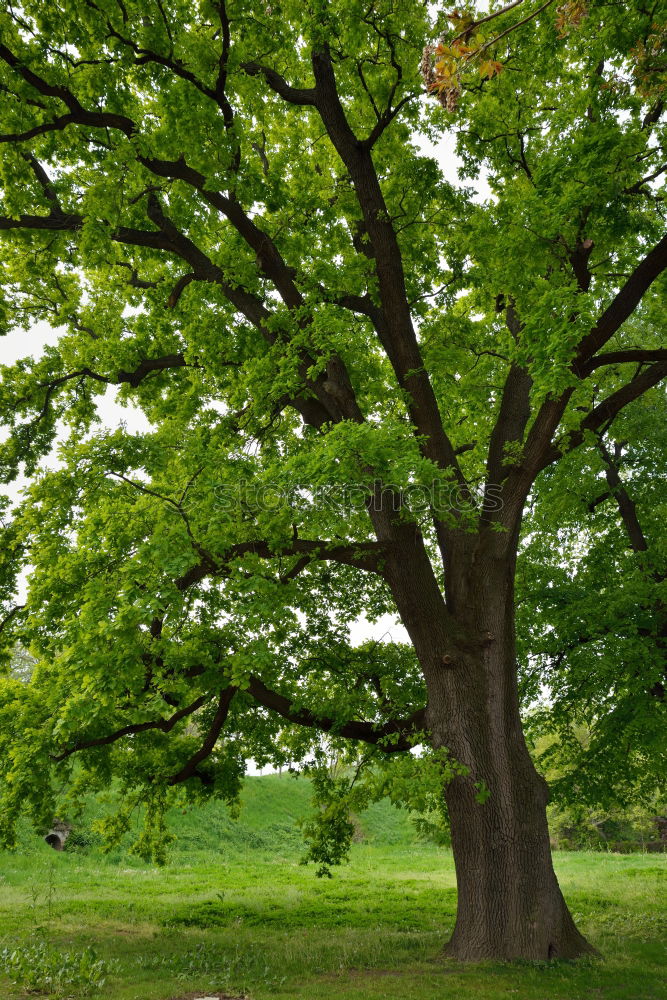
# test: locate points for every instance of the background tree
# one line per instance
(353, 373)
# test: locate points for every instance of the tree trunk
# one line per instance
(509, 902)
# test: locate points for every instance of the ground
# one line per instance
(246, 919)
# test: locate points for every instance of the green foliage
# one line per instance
(625, 831)
(205, 252)
(591, 620)
(82, 841)
(330, 832)
(347, 787)
(40, 969)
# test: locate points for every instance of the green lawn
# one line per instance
(235, 911)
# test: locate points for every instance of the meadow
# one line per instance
(235, 912)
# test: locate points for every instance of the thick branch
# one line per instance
(178, 289)
(623, 305)
(608, 409)
(598, 500)
(539, 450)
(134, 280)
(511, 421)
(293, 95)
(396, 331)
(392, 737)
(267, 255)
(8, 617)
(364, 555)
(70, 222)
(170, 239)
(149, 365)
(336, 405)
(204, 269)
(622, 357)
(144, 56)
(164, 725)
(314, 411)
(625, 503)
(96, 119)
(385, 121)
(133, 378)
(43, 179)
(58, 221)
(55, 125)
(221, 82)
(398, 335)
(189, 770)
(363, 305)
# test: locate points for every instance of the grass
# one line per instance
(235, 911)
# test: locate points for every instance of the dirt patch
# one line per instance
(371, 973)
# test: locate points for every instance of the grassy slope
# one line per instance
(235, 910)
(271, 807)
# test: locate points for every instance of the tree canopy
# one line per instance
(592, 616)
(355, 370)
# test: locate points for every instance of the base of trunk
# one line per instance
(539, 937)
(510, 905)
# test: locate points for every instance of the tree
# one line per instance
(354, 372)
(591, 614)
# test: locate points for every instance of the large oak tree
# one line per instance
(354, 372)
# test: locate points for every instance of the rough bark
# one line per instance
(509, 902)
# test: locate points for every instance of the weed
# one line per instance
(42, 891)
(39, 969)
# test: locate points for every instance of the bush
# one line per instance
(625, 831)
(83, 841)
